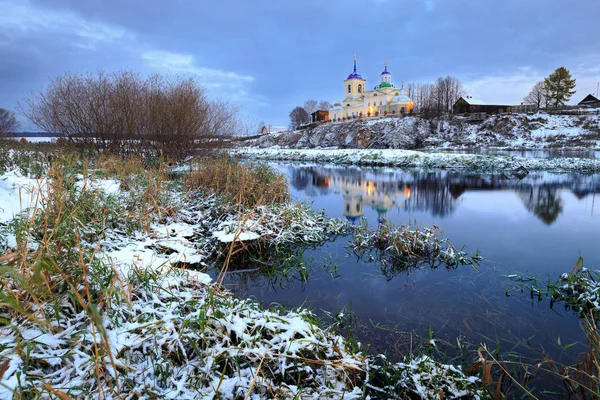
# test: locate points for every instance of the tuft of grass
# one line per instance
(404, 247)
(248, 185)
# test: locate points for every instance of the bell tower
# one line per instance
(354, 85)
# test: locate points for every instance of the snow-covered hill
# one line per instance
(538, 131)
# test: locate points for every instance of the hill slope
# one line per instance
(499, 131)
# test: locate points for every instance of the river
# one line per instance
(535, 227)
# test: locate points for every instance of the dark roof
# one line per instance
(589, 99)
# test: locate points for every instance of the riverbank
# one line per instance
(103, 292)
(419, 159)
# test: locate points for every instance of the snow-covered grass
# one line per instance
(96, 300)
(579, 289)
(404, 247)
(417, 159)
(519, 132)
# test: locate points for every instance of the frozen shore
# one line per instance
(418, 159)
(120, 314)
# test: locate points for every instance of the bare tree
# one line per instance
(311, 106)
(8, 122)
(298, 117)
(434, 99)
(261, 126)
(537, 95)
(324, 105)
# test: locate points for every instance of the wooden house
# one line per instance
(590, 101)
(320, 115)
(468, 105)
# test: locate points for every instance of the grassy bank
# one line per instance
(103, 294)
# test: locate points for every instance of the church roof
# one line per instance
(384, 85)
(354, 74)
(400, 98)
(385, 71)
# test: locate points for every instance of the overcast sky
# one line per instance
(270, 56)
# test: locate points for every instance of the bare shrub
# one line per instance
(124, 113)
(8, 122)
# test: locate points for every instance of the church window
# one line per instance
(357, 207)
(381, 103)
(347, 207)
(359, 88)
(349, 88)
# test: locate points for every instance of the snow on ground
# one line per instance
(417, 159)
(167, 332)
(515, 131)
(17, 193)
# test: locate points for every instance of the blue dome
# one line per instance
(352, 219)
(385, 71)
(354, 75)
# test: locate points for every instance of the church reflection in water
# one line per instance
(435, 192)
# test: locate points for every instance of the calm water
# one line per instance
(538, 226)
(550, 153)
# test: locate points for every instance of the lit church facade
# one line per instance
(385, 98)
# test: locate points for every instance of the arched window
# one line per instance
(359, 88)
(349, 88)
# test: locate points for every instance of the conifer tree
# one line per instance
(558, 87)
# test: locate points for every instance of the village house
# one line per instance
(320, 115)
(468, 105)
(590, 101)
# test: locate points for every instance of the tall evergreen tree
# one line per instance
(558, 87)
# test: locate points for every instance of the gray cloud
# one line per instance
(270, 56)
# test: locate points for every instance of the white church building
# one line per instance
(385, 98)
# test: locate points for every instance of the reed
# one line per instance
(247, 185)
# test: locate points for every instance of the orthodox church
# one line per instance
(384, 98)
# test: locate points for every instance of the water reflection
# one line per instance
(538, 225)
(438, 193)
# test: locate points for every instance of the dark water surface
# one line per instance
(547, 153)
(537, 226)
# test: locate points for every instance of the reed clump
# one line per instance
(247, 185)
(406, 246)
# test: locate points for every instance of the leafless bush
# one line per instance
(8, 122)
(124, 113)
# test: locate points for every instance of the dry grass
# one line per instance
(246, 185)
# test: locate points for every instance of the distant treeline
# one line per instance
(32, 134)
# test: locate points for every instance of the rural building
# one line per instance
(469, 105)
(590, 101)
(320, 115)
(272, 129)
(358, 101)
(524, 109)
